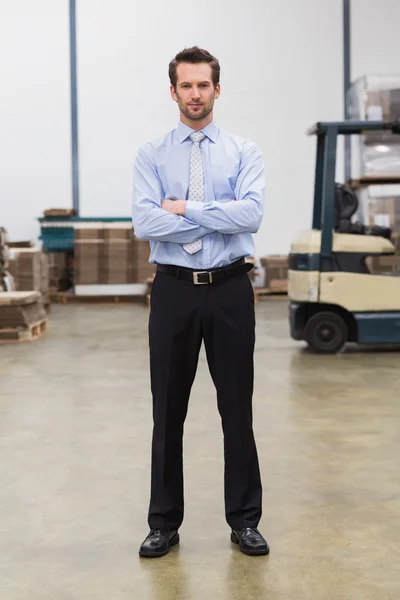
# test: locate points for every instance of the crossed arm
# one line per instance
(183, 221)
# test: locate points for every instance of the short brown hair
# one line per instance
(194, 55)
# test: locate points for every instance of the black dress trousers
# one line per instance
(182, 315)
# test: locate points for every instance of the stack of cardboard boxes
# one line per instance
(118, 256)
(87, 254)
(144, 269)
(60, 276)
(275, 273)
(23, 279)
(26, 268)
(30, 271)
(21, 309)
(4, 260)
(109, 254)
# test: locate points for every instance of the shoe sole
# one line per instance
(235, 540)
(148, 554)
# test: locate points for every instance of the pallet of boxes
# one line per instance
(376, 159)
(110, 262)
(29, 269)
(275, 275)
(23, 317)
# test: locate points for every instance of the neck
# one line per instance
(197, 124)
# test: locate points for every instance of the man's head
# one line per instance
(194, 75)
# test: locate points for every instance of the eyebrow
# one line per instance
(188, 82)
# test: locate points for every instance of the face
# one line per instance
(195, 92)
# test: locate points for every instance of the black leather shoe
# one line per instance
(250, 541)
(158, 543)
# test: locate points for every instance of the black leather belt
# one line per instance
(205, 277)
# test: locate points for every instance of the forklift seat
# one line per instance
(346, 205)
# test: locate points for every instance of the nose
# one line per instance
(195, 93)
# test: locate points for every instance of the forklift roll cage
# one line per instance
(325, 171)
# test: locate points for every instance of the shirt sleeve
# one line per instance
(244, 215)
(150, 221)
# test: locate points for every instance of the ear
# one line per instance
(173, 93)
(217, 91)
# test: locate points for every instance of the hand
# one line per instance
(176, 207)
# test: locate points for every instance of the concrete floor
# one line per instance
(75, 429)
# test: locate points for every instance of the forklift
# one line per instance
(334, 297)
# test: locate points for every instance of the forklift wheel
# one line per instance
(326, 332)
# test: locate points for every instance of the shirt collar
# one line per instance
(183, 131)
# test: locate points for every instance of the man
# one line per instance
(198, 197)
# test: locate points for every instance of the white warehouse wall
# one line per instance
(274, 61)
(275, 58)
(375, 37)
(281, 70)
(34, 112)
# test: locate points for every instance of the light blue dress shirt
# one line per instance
(233, 170)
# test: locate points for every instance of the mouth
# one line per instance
(195, 105)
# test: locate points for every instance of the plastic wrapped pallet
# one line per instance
(375, 98)
(380, 160)
(380, 205)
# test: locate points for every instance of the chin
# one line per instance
(197, 116)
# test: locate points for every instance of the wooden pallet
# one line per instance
(269, 294)
(374, 180)
(28, 334)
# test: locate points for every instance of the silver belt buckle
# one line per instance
(196, 277)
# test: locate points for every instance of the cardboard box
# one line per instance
(118, 231)
(383, 264)
(26, 268)
(20, 309)
(119, 261)
(144, 268)
(60, 212)
(110, 254)
(87, 261)
(275, 272)
(88, 233)
(58, 269)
